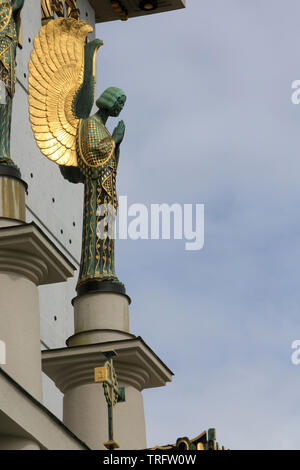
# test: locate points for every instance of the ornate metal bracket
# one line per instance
(113, 393)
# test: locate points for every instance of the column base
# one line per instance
(92, 287)
(8, 168)
(100, 315)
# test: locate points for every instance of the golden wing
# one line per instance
(56, 72)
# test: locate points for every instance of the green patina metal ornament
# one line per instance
(9, 38)
(112, 392)
(204, 441)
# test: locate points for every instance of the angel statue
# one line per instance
(61, 96)
(10, 11)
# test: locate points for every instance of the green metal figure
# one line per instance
(9, 33)
(98, 156)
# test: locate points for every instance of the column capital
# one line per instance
(136, 365)
(25, 250)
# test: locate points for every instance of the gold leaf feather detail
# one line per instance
(56, 72)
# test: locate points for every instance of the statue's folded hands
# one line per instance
(118, 133)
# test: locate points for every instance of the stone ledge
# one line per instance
(136, 365)
(26, 250)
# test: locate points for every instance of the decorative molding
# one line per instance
(26, 250)
(136, 365)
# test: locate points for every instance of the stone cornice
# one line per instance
(135, 364)
(27, 251)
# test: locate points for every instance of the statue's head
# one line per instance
(113, 100)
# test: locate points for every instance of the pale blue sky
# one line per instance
(210, 120)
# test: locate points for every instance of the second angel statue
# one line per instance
(61, 97)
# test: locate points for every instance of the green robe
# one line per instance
(8, 47)
(98, 161)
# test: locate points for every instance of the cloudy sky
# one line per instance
(210, 120)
